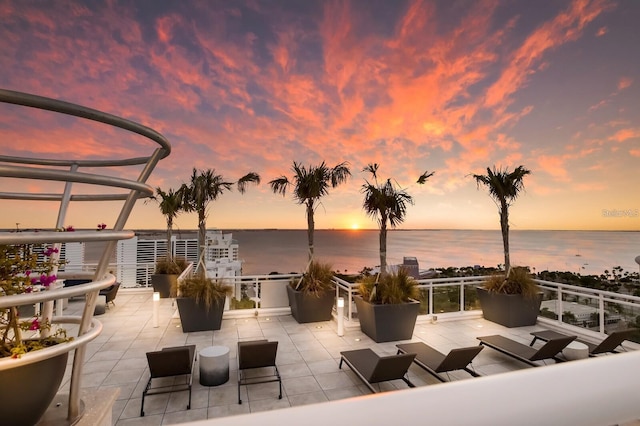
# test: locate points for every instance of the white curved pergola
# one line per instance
(68, 171)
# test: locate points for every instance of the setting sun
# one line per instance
(355, 226)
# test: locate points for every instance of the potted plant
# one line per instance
(388, 306)
(311, 297)
(165, 275)
(512, 299)
(201, 303)
(164, 278)
(21, 272)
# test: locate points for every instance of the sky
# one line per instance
(450, 87)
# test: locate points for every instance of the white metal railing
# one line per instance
(429, 287)
(597, 299)
(463, 290)
(447, 297)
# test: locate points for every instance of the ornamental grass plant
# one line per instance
(391, 288)
(316, 281)
(518, 281)
(170, 266)
(205, 291)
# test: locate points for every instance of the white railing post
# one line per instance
(430, 298)
(601, 311)
(462, 285)
(560, 304)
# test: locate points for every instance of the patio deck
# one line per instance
(308, 357)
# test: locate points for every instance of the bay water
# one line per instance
(584, 252)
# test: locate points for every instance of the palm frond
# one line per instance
(250, 177)
(423, 177)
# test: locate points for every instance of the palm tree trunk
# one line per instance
(202, 235)
(504, 226)
(310, 227)
(383, 246)
(169, 234)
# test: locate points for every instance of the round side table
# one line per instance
(214, 365)
(576, 350)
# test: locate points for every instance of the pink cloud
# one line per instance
(602, 31)
(624, 83)
(565, 27)
(554, 166)
(625, 134)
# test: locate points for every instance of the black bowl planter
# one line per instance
(308, 308)
(510, 310)
(162, 284)
(387, 323)
(28, 390)
(196, 317)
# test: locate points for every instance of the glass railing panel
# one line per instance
(423, 298)
(471, 301)
(446, 299)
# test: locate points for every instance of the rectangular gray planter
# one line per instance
(162, 283)
(196, 317)
(308, 308)
(387, 323)
(510, 310)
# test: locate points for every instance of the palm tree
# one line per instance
(387, 203)
(311, 184)
(206, 186)
(170, 204)
(504, 187)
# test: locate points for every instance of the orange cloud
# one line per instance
(565, 27)
(624, 83)
(554, 166)
(625, 134)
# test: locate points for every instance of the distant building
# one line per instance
(134, 259)
(410, 264)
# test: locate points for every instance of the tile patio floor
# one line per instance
(308, 357)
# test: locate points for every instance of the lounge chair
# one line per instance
(170, 362)
(257, 354)
(372, 368)
(110, 293)
(525, 353)
(609, 344)
(435, 362)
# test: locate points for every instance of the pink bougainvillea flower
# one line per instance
(48, 252)
(35, 325)
(102, 226)
(69, 228)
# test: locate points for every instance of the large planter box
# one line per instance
(196, 317)
(387, 323)
(163, 283)
(29, 389)
(308, 308)
(510, 310)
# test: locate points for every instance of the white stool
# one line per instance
(576, 350)
(214, 365)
